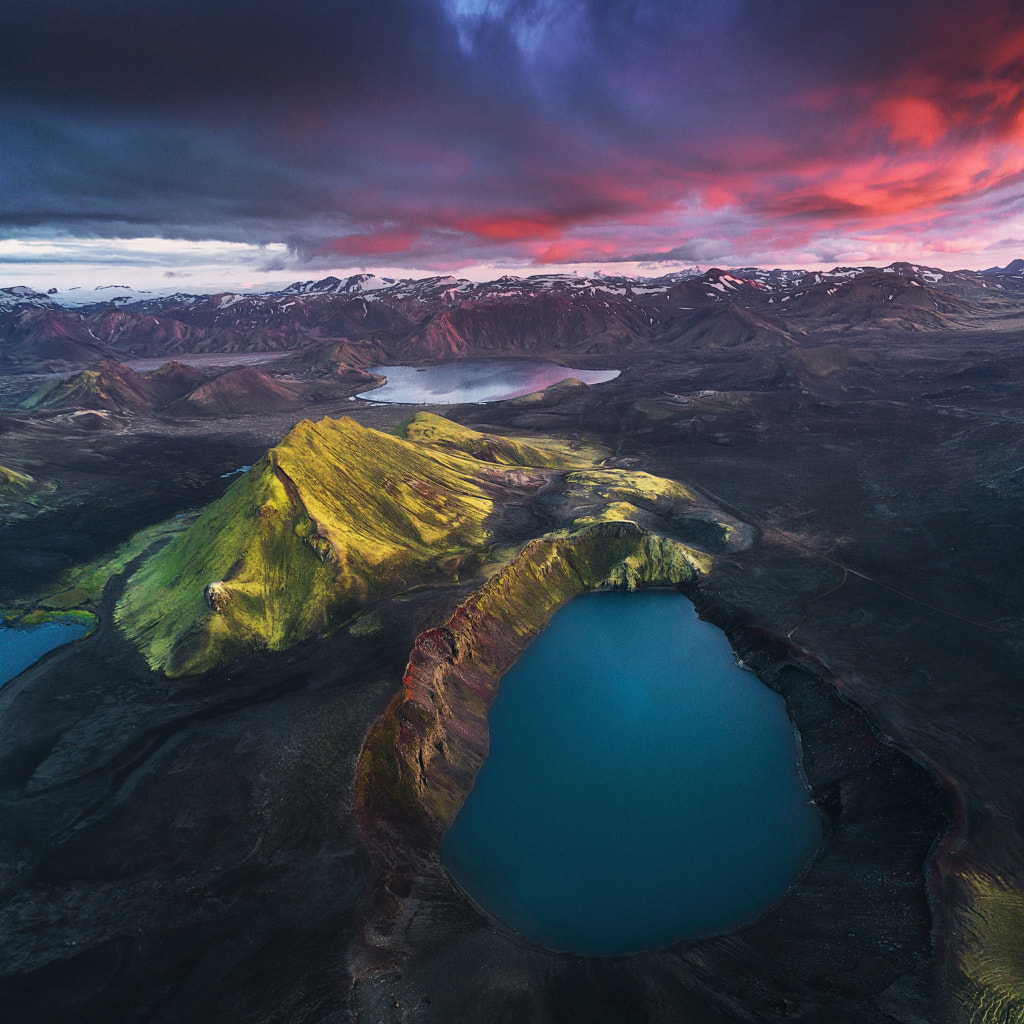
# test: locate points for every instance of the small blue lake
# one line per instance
(474, 380)
(21, 646)
(640, 788)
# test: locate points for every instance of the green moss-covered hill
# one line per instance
(456, 439)
(990, 957)
(334, 517)
(13, 483)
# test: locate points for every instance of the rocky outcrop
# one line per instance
(216, 596)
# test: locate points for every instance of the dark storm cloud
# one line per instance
(417, 128)
(184, 54)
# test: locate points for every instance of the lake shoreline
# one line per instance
(705, 769)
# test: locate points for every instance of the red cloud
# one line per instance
(512, 228)
(890, 140)
(378, 243)
(913, 120)
(576, 251)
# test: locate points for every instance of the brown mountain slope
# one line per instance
(172, 381)
(545, 324)
(235, 393)
(138, 334)
(882, 298)
(338, 356)
(33, 336)
(726, 326)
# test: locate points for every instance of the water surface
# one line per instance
(474, 380)
(641, 788)
(21, 646)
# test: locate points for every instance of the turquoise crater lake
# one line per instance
(640, 789)
(474, 380)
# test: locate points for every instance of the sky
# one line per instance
(188, 144)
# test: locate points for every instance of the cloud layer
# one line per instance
(437, 133)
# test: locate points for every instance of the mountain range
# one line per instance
(445, 317)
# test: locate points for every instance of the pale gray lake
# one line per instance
(474, 380)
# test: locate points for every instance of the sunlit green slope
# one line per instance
(332, 518)
(14, 483)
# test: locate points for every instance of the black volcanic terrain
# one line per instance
(226, 803)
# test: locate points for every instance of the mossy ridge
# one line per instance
(551, 395)
(13, 483)
(552, 570)
(657, 409)
(633, 486)
(550, 453)
(435, 752)
(381, 489)
(48, 389)
(91, 578)
(278, 584)
(609, 495)
(333, 518)
(84, 584)
(40, 616)
(992, 958)
(616, 512)
(338, 516)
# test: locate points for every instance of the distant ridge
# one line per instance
(378, 319)
(1014, 267)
